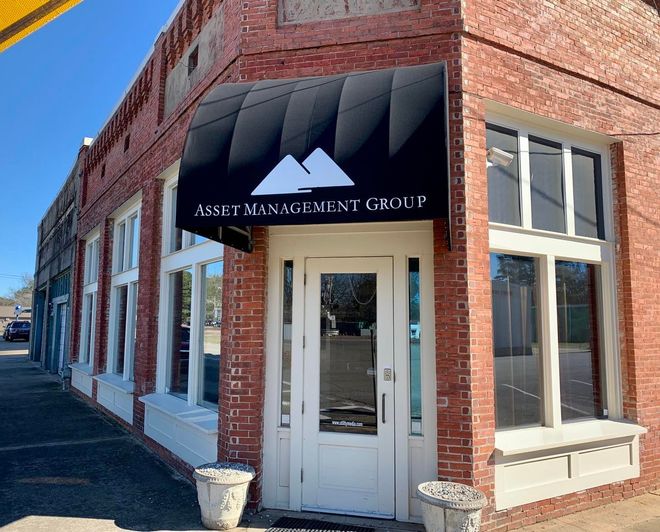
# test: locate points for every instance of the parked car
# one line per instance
(17, 330)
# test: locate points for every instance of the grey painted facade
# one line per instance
(55, 256)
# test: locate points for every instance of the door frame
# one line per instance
(282, 446)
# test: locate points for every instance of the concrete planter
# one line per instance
(450, 507)
(222, 493)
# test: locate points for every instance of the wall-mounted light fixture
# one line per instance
(495, 156)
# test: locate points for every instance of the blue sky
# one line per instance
(57, 86)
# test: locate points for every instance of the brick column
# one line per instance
(146, 356)
(464, 360)
(242, 364)
(103, 300)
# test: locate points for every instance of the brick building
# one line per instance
(515, 321)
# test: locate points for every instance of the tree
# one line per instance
(22, 295)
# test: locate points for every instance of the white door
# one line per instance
(348, 410)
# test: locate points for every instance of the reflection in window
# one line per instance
(210, 363)
(515, 341)
(587, 194)
(503, 181)
(579, 361)
(121, 244)
(287, 315)
(414, 347)
(176, 234)
(89, 312)
(547, 183)
(348, 353)
(179, 346)
(134, 242)
(122, 312)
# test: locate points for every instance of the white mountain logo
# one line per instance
(291, 177)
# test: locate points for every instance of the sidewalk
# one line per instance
(63, 467)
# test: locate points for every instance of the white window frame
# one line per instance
(120, 278)
(191, 256)
(548, 247)
(90, 290)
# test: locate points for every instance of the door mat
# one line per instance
(295, 524)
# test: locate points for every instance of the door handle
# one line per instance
(382, 408)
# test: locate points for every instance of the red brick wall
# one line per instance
(243, 364)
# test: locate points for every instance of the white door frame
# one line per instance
(282, 447)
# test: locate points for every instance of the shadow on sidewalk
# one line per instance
(60, 458)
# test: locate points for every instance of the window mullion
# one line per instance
(195, 343)
(549, 342)
(569, 211)
(525, 181)
(608, 334)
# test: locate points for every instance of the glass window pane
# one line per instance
(587, 194)
(120, 245)
(179, 338)
(414, 347)
(134, 242)
(547, 183)
(94, 261)
(87, 340)
(132, 328)
(176, 234)
(579, 361)
(515, 341)
(348, 353)
(120, 331)
(503, 181)
(210, 365)
(287, 320)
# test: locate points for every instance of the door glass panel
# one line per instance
(348, 353)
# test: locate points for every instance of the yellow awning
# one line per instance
(19, 18)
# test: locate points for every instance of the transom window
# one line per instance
(552, 279)
(551, 184)
(191, 304)
(90, 290)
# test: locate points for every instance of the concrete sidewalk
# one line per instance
(63, 467)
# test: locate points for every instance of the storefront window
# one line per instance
(180, 314)
(579, 358)
(516, 341)
(210, 364)
(90, 288)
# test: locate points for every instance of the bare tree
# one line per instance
(23, 294)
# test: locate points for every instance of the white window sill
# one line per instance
(533, 439)
(82, 368)
(200, 418)
(116, 382)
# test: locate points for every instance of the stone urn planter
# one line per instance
(451, 507)
(222, 493)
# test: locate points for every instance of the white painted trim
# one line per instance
(569, 200)
(525, 180)
(60, 300)
(115, 381)
(534, 439)
(116, 395)
(399, 240)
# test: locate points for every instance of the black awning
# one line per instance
(360, 147)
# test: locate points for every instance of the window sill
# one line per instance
(202, 419)
(116, 382)
(82, 368)
(534, 439)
